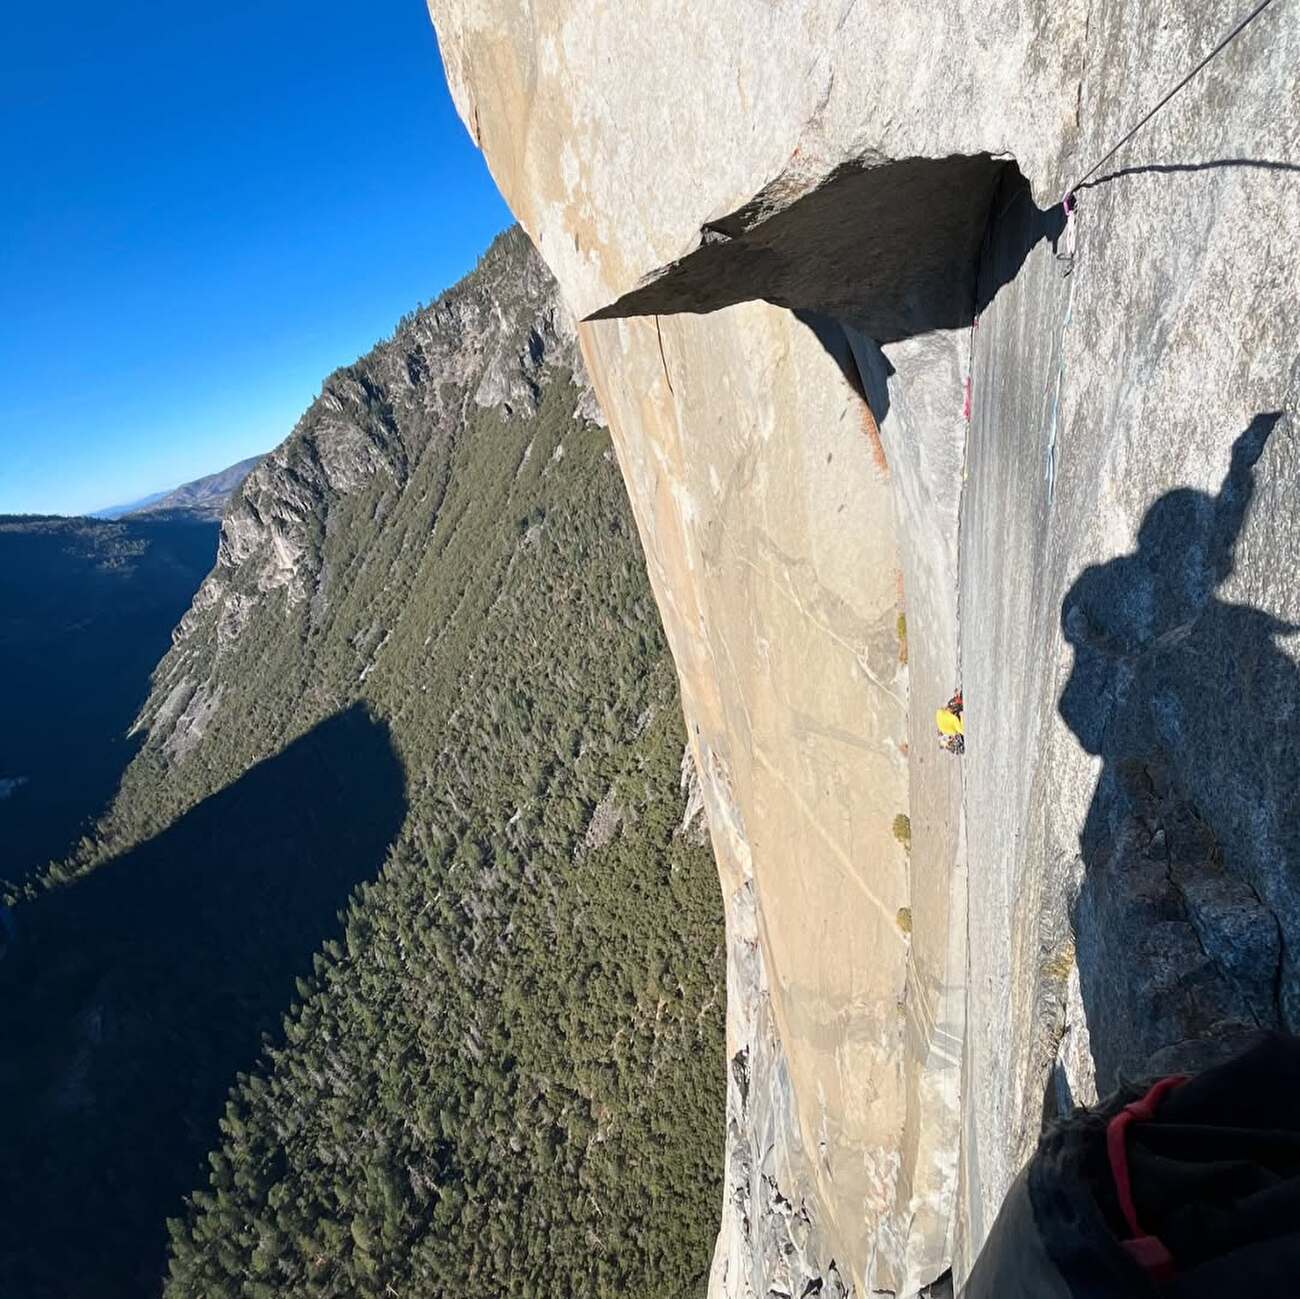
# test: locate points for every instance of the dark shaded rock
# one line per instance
(886, 246)
(1176, 956)
(1238, 933)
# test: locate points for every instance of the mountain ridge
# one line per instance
(200, 498)
(204, 498)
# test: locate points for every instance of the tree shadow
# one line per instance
(1190, 844)
(135, 995)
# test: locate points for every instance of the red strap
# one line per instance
(1147, 1251)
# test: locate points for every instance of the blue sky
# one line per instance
(203, 211)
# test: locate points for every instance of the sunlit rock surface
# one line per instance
(779, 223)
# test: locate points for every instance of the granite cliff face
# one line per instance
(779, 225)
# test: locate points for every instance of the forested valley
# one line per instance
(395, 967)
(86, 610)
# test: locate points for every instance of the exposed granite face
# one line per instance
(1129, 569)
(770, 549)
(842, 187)
(625, 137)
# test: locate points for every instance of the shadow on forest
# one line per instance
(1190, 843)
(81, 629)
(135, 995)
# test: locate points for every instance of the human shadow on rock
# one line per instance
(136, 994)
(1190, 902)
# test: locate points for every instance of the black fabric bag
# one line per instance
(1213, 1166)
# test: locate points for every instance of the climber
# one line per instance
(952, 729)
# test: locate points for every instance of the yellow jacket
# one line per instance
(949, 723)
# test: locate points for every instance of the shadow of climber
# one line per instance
(1190, 844)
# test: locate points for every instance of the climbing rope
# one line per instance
(1069, 202)
(1208, 59)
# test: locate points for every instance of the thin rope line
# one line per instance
(1213, 54)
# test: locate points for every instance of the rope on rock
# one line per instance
(1069, 202)
(1208, 59)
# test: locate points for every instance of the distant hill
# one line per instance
(113, 512)
(87, 608)
(204, 498)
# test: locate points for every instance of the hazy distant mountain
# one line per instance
(113, 512)
(204, 498)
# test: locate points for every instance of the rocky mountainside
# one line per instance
(857, 365)
(86, 610)
(396, 965)
(204, 498)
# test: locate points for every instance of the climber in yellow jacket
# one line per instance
(949, 723)
(952, 730)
